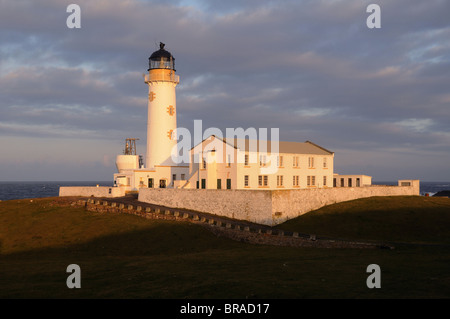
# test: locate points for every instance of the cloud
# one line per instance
(311, 68)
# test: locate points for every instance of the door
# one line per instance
(150, 183)
(162, 183)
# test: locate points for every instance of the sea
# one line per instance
(21, 190)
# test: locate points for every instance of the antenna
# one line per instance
(130, 146)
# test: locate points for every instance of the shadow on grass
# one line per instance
(407, 219)
(164, 259)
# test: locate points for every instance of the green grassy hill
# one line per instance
(410, 219)
(125, 256)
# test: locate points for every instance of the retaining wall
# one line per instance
(290, 204)
(251, 205)
(88, 191)
(267, 207)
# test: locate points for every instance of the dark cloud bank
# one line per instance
(379, 98)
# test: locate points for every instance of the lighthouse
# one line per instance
(162, 108)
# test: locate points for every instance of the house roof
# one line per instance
(307, 147)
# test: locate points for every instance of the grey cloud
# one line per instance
(311, 68)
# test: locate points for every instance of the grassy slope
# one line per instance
(404, 219)
(124, 256)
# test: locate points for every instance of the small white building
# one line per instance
(351, 180)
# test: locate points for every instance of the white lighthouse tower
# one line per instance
(159, 171)
(162, 108)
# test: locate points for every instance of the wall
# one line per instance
(292, 203)
(101, 191)
(252, 205)
(268, 207)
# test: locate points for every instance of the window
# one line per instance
(324, 162)
(280, 161)
(295, 161)
(228, 183)
(219, 183)
(183, 177)
(204, 163)
(279, 180)
(295, 180)
(150, 183)
(246, 160)
(174, 177)
(246, 180)
(358, 182)
(405, 183)
(311, 162)
(342, 182)
(262, 160)
(311, 181)
(263, 180)
(324, 181)
(162, 183)
(349, 182)
(228, 160)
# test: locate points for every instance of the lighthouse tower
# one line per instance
(162, 108)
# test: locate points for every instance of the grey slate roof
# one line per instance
(283, 147)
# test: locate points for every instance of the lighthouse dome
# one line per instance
(161, 59)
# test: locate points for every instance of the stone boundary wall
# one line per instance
(88, 191)
(267, 207)
(250, 205)
(290, 204)
(233, 230)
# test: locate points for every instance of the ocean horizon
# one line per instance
(40, 189)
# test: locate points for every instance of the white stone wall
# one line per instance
(88, 191)
(292, 203)
(251, 205)
(269, 207)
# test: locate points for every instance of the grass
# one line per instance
(125, 256)
(410, 219)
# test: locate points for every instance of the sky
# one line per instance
(379, 98)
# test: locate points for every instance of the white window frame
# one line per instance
(279, 180)
(311, 162)
(295, 161)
